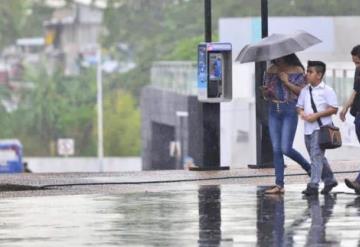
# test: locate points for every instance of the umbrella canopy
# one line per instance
(277, 45)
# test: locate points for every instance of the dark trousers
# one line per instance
(357, 125)
(357, 129)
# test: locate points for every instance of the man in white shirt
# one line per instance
(317, 94)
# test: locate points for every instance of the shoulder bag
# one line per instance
(329, 135)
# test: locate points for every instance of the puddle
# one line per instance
(226, 215)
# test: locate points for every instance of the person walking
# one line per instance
(317, 102)
(282, 84)
(354, 103)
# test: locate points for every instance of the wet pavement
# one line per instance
(190, 215)
(175, 208)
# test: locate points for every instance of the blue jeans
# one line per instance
(320, 168)
(283, 121)
(357, 129)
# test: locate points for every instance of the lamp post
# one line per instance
(99, 96)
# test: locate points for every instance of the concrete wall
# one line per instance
(162, 107)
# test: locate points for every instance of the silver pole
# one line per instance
(100, 111)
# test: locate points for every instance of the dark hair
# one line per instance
(356, 51)
(291, 59)
(319, 66)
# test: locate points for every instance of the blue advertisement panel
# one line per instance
(202, 66)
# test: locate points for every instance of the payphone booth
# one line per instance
(214, 72)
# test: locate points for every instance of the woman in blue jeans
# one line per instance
(282, 84)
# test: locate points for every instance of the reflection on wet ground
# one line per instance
(207, 215)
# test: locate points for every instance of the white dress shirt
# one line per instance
(324, 96)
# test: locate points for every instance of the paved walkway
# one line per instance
(124, 182)
(175, 208)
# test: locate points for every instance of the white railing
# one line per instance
(177, 76)
(341, 79)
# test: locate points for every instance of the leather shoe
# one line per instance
(328, 187)
(310, 191)
(353, 185)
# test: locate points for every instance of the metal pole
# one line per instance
(100, 150)
(264, 155)
(211, 113)
(264, 18)
(210, 135)
(207, 16)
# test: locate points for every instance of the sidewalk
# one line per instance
(140, 181)
(176, 208)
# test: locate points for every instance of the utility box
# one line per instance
(214, 72)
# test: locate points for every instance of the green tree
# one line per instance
(58, 107)
(121, 125)
(45, 107)
(79, 93)
(35, 14)
(150, 28)
(12, 19)
(22, 18)
(61, 106)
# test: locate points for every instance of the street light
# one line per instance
(100, 149)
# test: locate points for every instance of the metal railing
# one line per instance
(181, 77)
(176, 76)
(341, 80)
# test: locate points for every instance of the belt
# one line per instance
(279, 101)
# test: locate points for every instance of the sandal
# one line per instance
(275, 190)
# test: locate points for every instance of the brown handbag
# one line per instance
(329, 135)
